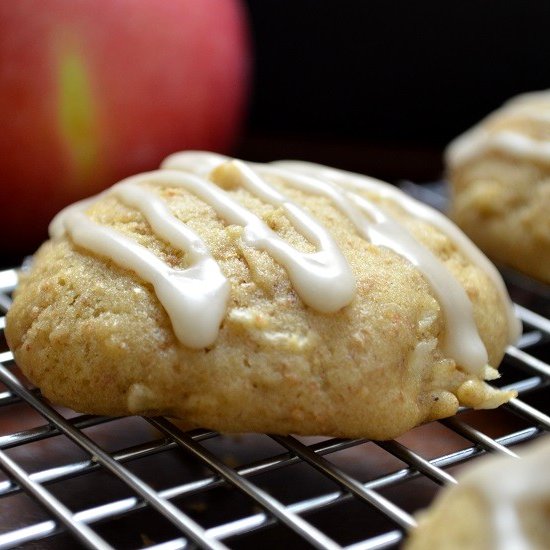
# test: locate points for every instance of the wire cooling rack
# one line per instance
(72, 480)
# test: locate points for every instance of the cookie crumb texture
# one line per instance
(500, 176)
(93, 336)
(500, 502)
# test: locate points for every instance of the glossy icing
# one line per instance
(486, 136)
(196, 298)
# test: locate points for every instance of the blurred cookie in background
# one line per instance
(500, 184)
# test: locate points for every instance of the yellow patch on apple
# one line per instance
(77, 114)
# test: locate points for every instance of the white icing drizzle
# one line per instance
(322, 279)
(357, 182)
(185, 294)
(506, 483)
(479, 141)
(482, 138)
(196, 298)
(462, 341)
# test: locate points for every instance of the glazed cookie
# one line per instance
(500, 176)
(284, 298)
(500, 502)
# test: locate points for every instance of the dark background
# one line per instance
(382, 86)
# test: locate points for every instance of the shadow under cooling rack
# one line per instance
(70, 480)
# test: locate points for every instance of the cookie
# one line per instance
(500, 184)
(500, 502)
(284, 298)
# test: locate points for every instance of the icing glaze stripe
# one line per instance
(461, 341)
(424, 212)
(185, 294)
(323, 279)
(480, 139)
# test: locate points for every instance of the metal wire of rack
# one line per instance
(75, 480)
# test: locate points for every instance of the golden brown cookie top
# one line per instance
(195, 297)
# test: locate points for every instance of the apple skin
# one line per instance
(94, 91)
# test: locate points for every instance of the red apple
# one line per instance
(93, 91)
